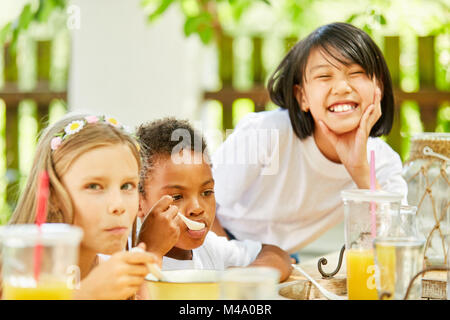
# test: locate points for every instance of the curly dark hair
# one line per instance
(163, 137)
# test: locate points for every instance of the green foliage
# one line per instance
(4, 32)
(11, 31)
(201, 17)
(443, 118)
(368, 20)
(157, 7)
(46, 7)
(208, 18)
(201, 24)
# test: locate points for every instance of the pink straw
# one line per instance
(372, 188)
(41, 216)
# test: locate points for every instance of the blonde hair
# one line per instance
(57, 162)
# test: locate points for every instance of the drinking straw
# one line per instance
(41, 216)
(372, 188)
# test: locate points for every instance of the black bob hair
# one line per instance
(354, 46)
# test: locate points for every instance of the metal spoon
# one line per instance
(329, 295)
(192, 225)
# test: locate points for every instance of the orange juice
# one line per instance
(44, 291)
(361, 275)
(387, 263)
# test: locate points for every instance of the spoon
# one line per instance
(192, 225)
(152, 267)
(329, 295)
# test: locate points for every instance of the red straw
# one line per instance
(372, 187)
(41, 216)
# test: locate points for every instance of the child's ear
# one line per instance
(379, 84)
(301, 98)
(141, 212)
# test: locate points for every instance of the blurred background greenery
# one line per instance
(272, 20)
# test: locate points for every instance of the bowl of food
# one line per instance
(188, 284)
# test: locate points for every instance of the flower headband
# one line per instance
(77, 125)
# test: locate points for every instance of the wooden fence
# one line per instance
(12, 95)
(429, 98)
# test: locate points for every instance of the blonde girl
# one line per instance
(93, 165)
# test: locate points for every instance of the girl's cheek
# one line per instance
(133, 205)
(366, 91)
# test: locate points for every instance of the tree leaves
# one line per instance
(201, 15)
(26, 17)
(4, 32)
(368, 20)
(201, 24)
(20, 25)
(160, 7)
(46, 7)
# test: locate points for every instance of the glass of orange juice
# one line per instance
(58, 271)
(367, 214)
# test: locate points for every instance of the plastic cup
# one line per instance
(59, 272)
(252, 283)
(359, 207)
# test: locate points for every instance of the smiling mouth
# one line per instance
(342, 107)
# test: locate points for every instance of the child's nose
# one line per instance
(116, 204)
(118, 210)
(342, 86)
(195, 208)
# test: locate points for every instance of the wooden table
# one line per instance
(305, 290)
(434, 284)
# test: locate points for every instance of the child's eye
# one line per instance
(324, 76)
(357, 72)
(128, 186)
(93, 186)
(207, 193)
(176, 197)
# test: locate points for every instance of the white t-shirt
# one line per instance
(273, 187)
(217, 253)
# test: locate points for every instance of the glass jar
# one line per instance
(367, 214)
(448, 266)
(399, 256)
(250, 283)
(427, 172)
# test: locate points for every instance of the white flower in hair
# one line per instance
(74, 127)
(113, 121)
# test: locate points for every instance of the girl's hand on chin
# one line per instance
(351, 147)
